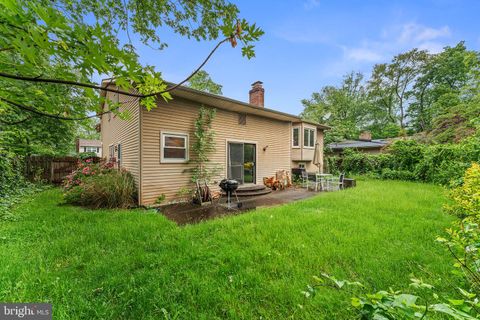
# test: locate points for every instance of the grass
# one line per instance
(118, 264)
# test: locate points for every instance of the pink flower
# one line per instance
(88, 160)
(86, 170)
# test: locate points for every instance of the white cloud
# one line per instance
(310, 4)
(396, 39)
(413, 32)
(362, 54)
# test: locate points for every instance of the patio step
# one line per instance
(251, 188)
(252, 191)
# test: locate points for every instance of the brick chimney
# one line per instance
(365, 136)
(257, 94)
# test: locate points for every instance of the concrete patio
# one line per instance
(187, 213)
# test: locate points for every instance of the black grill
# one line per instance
(229, 186)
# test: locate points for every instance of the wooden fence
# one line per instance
(51, 169)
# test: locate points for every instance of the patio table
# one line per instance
(323, 176)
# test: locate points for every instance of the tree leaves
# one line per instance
(80, 39)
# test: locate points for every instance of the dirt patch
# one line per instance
(186, 213)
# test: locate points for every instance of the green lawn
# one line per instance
(138, 265)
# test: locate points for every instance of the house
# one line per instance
(251, 141)
(85, 145)
(365, 144)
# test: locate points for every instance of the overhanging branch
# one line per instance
(12, 123)
(49, 115)
(106, 88)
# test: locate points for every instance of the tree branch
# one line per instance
(12, 123)
(94, 86)
(67, 82)
(49, 115)
(193, 73)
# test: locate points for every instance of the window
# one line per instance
(301, 165)
(174, 147)
(90, 149)
(309, 138)
(296, 137)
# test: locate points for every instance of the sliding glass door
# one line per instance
(241, 162)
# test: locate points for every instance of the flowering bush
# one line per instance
(86, 168)
(100, 185)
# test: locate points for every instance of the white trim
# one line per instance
(174, 134)
(314, 138)
(299, 137)
(227, 141)
(109, 153)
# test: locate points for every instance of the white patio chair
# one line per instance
(305, 181)
(337, 183)
(319, 182)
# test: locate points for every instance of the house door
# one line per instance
(241, 162)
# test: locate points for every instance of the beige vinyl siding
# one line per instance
(126, 132)
(178, 116)
(305, 154)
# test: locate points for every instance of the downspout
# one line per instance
(301, 142)
(140, 172)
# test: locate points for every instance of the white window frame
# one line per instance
(306, 138)
(164, 134)
(299, 137)
(95, 149)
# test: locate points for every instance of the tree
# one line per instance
(49, 51)
(344, 108)
(437, 94)
(446, 94)
(202, 81)
(56, 43)
(390, 84)
(26, 133)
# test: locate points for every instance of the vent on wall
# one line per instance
(242, 119)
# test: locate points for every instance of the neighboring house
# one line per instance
(84, 145)
(251, 141)
(365, 144)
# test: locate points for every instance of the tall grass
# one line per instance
(113, 189)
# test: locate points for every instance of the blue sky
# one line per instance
(312, 43)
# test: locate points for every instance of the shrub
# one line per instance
(13, 185)
(466, 197)
(11, 173)
(99, 185)
(87, 155)
(407, 154)
(389, 174)
(357, 162)
(409, 160)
